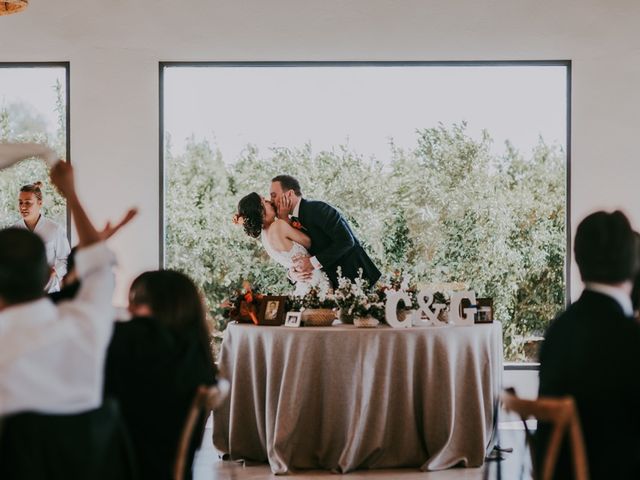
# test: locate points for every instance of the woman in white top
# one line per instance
(52, 234)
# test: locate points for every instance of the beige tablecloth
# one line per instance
(342, 398)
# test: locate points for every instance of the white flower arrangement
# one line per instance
(355, 299)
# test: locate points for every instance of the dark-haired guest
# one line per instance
(155, 363)
(52, 234)
(592, 351)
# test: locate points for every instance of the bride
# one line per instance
(282, 242)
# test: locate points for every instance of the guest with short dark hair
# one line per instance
(592, 351)
(155, 364)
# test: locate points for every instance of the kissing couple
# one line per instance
(308, 237)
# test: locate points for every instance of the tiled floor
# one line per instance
(209, 467)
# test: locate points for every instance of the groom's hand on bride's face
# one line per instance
(283, 206)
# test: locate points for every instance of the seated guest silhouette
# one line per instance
(52, 358)
(155, 363)
(52, 234)
(592, 352)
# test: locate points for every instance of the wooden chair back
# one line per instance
(205, 400)
(561, 413)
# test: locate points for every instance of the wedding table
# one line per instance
(342, 398)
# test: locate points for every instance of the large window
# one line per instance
(33, 108)
(450, 172)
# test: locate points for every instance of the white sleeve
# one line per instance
(92, 307)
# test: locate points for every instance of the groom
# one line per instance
(333, 244)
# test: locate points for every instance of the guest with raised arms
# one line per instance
(52, 357)
(52, 234)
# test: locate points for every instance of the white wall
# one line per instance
(114, 49)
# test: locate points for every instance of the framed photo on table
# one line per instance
(292, 319)
(484, 314)
(271, 310)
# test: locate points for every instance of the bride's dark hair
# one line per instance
(251, 211)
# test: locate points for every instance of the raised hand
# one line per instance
(62, 178)
(109, 230)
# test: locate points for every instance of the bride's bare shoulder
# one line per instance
(279, 225)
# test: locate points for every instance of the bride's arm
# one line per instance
(295, 235)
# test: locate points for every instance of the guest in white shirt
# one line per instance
(52, 234)
(52, 357)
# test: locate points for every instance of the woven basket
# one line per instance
(365, 322)
(318, 317)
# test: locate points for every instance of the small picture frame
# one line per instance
(271, 310)
(292, 319)
(484, 313)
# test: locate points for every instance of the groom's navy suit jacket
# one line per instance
(592, 352)
(333, 243)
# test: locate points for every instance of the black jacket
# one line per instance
(91, 444)
(592, 352)
(154, 374)
(333, 243)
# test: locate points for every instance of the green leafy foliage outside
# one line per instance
(447, 210)
(21, 122)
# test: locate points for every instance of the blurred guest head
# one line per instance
(23, 266)
(605, 248)
(30, 201)
(168, 296)
(172, 299)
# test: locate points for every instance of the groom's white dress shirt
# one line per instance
(52, 357)
(617, 293)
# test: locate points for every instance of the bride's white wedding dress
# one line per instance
(319, 279)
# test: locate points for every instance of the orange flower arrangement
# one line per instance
(242, 303)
